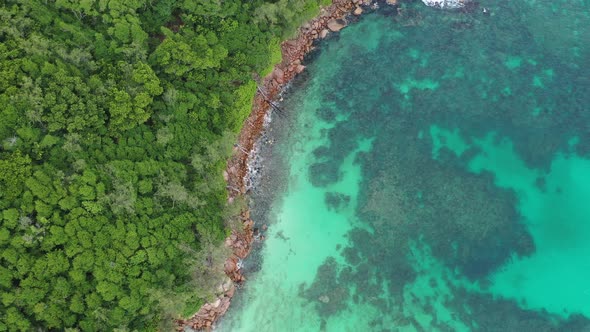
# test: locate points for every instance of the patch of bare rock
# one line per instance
(336, 25)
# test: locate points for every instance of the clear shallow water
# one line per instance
(431, 172)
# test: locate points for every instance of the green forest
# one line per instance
(117, 118)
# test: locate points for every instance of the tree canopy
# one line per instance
(116, 120)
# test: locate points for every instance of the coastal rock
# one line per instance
(225, 304)
(274, 84)
(324, 33)
(230, 266)
(336, 25)
(279, 75)
(249, 223)
(230, 292)
(232, 271)
(299, 69)
(227, 284)
(359, 10)
(391, 2)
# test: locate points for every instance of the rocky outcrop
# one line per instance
(336, 25)
(240, 243)
(208, 314)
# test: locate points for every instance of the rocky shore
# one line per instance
(240, 243)
(330, 20)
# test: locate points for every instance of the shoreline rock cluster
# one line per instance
(331, 19)
(240, 243)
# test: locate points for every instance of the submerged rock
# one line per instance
(445, 4)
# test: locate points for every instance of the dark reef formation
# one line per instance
(469, 223)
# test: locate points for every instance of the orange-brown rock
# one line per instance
(279, 76)
(336, 25)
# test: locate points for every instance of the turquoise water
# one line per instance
(430, 171)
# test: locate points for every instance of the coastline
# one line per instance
(331, 19)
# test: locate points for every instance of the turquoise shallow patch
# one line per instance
(558, 217)
(513, 62)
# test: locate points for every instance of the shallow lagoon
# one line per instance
(430, 172)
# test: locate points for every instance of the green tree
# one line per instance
(14, 170)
